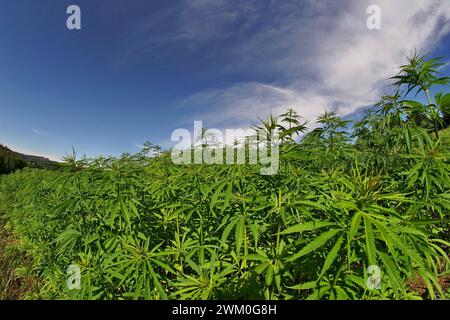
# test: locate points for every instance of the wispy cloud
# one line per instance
(243, 103)
(318, 54)
(40, 132)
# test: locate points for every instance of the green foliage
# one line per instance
(421, 74)
(141, 227)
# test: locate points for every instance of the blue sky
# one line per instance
(137, 70)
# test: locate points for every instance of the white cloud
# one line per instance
(40, 132)
(243, 103)
(324, 58)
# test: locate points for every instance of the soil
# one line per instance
(417, 284)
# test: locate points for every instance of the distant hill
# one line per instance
(36, 160)
(11, 161)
